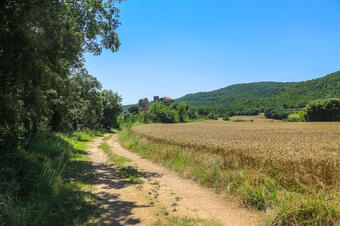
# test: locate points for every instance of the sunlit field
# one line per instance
(298, 153)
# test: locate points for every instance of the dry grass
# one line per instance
(306, 155)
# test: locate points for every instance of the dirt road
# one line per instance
(156, 195)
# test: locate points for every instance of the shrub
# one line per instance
(324, 110)
(276, 113)
(299, 117)
(133, 109)
(226, 118)
(192, 114)
(212, 116)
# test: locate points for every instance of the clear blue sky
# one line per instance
(172, 48)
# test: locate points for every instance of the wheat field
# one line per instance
(301, 153)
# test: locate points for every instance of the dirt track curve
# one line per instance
(161, 195)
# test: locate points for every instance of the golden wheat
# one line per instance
(298, 153)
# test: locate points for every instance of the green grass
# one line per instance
(104, 146)
(50, 184)
(281, 205)
(241, 120)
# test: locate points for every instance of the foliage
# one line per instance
(277, 113)
(161, 112)
(226, 118)
(182, 112)
(234, 94)
(300, 116)
(212, 116)
(324, 110)
(192, 114)
(143, 105)
(38, 189)
(44, 86)
(133, 109)
(111, 108)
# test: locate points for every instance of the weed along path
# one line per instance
(136, 191)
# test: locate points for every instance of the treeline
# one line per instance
(159, 111)
(45, 87)
(165, 112)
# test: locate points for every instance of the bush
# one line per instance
(299, 117)
(212, 116)
(192, 114)
(324, 110)
(226, 118)
(276, 113)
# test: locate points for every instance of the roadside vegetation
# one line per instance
(50, 184)
(288, 170)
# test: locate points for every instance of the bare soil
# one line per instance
(161, 195)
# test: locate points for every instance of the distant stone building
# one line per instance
(163, 99)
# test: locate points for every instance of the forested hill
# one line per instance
(255, 97)
(234, 94)
(301, 93)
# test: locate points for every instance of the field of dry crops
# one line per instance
(296, 153)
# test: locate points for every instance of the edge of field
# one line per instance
(253, 187)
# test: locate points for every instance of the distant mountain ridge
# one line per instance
(252, 97)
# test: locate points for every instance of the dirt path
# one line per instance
(160, 195)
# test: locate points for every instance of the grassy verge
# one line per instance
(49, 182)
(255, 188)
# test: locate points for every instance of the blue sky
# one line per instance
(172, 48)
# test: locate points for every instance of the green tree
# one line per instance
(133, 109)
(182, 112)
(41, 42)
(143, 105)
(161, 112)
(112, 108)
(324, 110)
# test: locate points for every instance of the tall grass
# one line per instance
(37, 183)
(254, 187)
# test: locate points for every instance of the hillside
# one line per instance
(234, 94)
(255, 97)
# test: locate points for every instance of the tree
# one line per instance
(112, 108)
(324, 110)
(143, 105)
(87, 111)
(161, 112)
(133, 109)
(41, 42)
(182, 112)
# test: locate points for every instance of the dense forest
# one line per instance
(252, 98)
